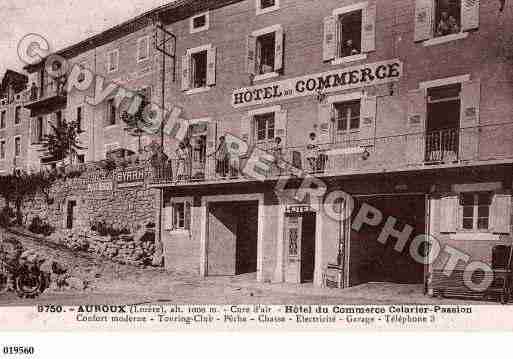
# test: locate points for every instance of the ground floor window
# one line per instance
(347, 115)
(475, 210)
(178, 215)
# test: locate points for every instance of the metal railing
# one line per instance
(441, 147)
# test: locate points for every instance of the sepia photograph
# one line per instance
(247, 164)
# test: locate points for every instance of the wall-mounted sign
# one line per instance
(100, 186)
(299, 210)
(326, 82)
(131, 177)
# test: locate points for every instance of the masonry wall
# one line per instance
(12, 130)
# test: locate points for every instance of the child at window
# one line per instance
(453, 25)
(277, 153)
(443, 28)
(312, 152)
(349, 49)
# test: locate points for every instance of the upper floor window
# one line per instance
(264, 127)
(350, 33)
(38, 130)
(3, 116)
(17, 115)
(17, 146)
(347, 115)
(475, 210)
(265, 6)
(200, 22)
(113, 61)
(143, 49)
(199, 68)
(81, 158)
(2, 149)
(438, 21)
(265, 53)
(111, 113)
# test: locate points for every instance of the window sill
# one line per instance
(267, 10)
(444, 39)
(184, 232)
(198, 90)
(199, 29)
(475, 236)
(142, 60)
(111, 127)
(348, 59)
(266, 76)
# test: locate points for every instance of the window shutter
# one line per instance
(280, 125)
(168, 217)
(186, 72)
(417, 110)
(369, 29)
(368, 120)
(211, 66)
(251, 55)
(469, 120)
(424, 11)
(469, 14)
(245, 129)
(187, 207)
(278, 49)
(330, 38)
(324, 133)
(500, 213)
(449, 214)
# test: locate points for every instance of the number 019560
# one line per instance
(18, 350)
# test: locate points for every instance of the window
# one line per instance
(347, 115)
(111, 112)
(349, 34)
(17, 115)
(113, 61)
(199, 68)
(58, 118)
(265, 52)
(143, 49)
(79, 119)
(178, 215)
(265, 127)
(81, 158)
(110, 147)
(265, 6)
(2, 149)
(17, 146)
(438, 21)
(38, 135)
(447, 17)
(200, 22)
(475, 210)
(2, 119)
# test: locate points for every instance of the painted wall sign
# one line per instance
(326, 82)
(100, 186)
(131, 177)
(299, 210)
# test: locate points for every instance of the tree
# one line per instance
(63, 141)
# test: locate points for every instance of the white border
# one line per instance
(260, 11)
(264, 110)
(190, 52)
(342, 10)
(202, 28)
(261, 32)
(444, 81)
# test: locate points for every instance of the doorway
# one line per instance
(232, 246)
(70, 214)
(300, 239)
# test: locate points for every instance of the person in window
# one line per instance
(312, 152)
(454, 27)
(349, 49)
(443, 28)
(277, 153)
(222, 158)
(183, 162)
(33, 91)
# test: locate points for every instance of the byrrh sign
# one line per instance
(331, 81)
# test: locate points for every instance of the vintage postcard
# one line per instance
(256, 164)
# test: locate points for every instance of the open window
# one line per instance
(349, 34)
(17, 115)
(110, 117)
(3, 116)
(78, 119)
(38, 130)
(263, 126)
(200, 22)
(438, 21)
(178, 215)
(17, 146)
(199, 68)
(265, 53)
(2, 149)
(112, 61)
(265, 6)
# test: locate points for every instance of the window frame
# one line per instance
(263, 111)
(15, 142)
(205, 27)
(190, 52)
(260, 10)
(147, 49)
(262, 32)
(17, 115)
(176, 201)
(475, 212)
(109, 67)
(338, 12)
(109, 113)
(437, 40)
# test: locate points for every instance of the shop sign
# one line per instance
(298, 210)
(131, 177)
(332, 81)
(100, 186)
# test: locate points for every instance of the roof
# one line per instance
(169, 13)
(19, 81)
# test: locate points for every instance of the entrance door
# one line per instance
(70, 215)
(300, 241)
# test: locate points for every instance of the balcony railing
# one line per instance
(401, 152)
(51, 89)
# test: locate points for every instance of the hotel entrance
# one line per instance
(300, 224)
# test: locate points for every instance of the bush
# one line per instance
(38, 226)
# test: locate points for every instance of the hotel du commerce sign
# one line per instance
(332, 81)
